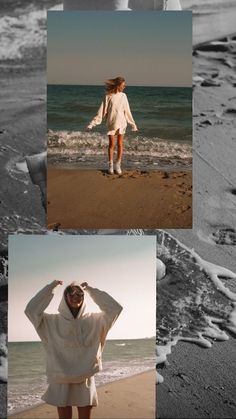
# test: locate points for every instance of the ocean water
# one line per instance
(27, 381)
(162, 114)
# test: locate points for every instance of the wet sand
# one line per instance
(118, 400)
(93, 199)
(22, 132)
(198, 382)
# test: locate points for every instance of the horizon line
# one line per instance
(32, 341)
(129, 85)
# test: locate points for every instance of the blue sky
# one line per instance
(123, 266)
(146, 47)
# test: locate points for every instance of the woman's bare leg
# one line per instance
(111, 147)
(120, 138)
(64, 412)
(84, 412)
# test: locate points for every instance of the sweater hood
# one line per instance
(65, 311)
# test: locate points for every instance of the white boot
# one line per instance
(118, 168)
(110, 168)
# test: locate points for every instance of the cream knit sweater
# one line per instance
(116, 111)
(73, 345)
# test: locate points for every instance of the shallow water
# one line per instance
(81, 149)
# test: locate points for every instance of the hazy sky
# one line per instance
(146, 47)
(123, 266)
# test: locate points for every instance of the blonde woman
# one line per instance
(73, 339)
(116, 111)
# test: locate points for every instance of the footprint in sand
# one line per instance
(220, 214)
(224, 236)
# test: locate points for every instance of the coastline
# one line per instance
(118, 399)
(199, 382)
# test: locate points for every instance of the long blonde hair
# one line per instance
(112, 85)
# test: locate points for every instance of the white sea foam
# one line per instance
(18, 33)
(210, 325)
(82, 143)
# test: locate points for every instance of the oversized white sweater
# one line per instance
(116, 111)
(73, 345)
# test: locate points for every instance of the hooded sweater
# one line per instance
(116, 111)
(73, 345)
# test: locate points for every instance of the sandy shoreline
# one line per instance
(22, 133)
(200, 383)
(117, 400)
(94, 199)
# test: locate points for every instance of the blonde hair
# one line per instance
(112, 85)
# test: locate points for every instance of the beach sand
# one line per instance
(198, 383)
(93, 199)
(117, 400)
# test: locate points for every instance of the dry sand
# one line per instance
(94, 199)
(132, 397)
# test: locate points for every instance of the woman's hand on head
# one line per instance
(84, 285)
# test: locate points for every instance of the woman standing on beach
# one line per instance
(74, 341)
(116, 111)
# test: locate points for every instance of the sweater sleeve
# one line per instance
(36, 306)
(109, 307)
(101, 114)
(129, 116)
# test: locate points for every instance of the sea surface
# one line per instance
(27, 381)
(162, 114)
